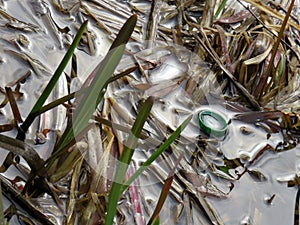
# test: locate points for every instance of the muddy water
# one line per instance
(35, 44)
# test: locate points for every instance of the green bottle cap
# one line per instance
(212, 123)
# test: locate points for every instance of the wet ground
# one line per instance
(246, 176)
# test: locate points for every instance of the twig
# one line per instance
(30, 208)
(275, 47)
(268, 29)
(239, 86)
(26, 151)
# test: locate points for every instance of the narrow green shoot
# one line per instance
(281, 67)
(68, 97)
(89, 100)
(220, 8)
(158, 152)
(125, 159)
(40, 102)
(156, 221)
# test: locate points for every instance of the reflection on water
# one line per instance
(216, 184)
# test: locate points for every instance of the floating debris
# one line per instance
(231, 64)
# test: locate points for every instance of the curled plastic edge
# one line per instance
(207, 129)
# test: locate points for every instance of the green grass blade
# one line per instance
(125, 159)
(125, 32)
(220, 8)
(60, 69)
(156, 221)
(40, 102)
(88, 102)
(137, 129)
(68, 97)
(158, 152)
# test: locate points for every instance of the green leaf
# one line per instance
(89, 100)
(125, 32)
(125, 159)
(156, 221)
(158, 152)
(68, 97)
(60, 69)
(220, 8)
(40, 102)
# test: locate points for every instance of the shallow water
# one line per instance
(249, 197)
(238, 197)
